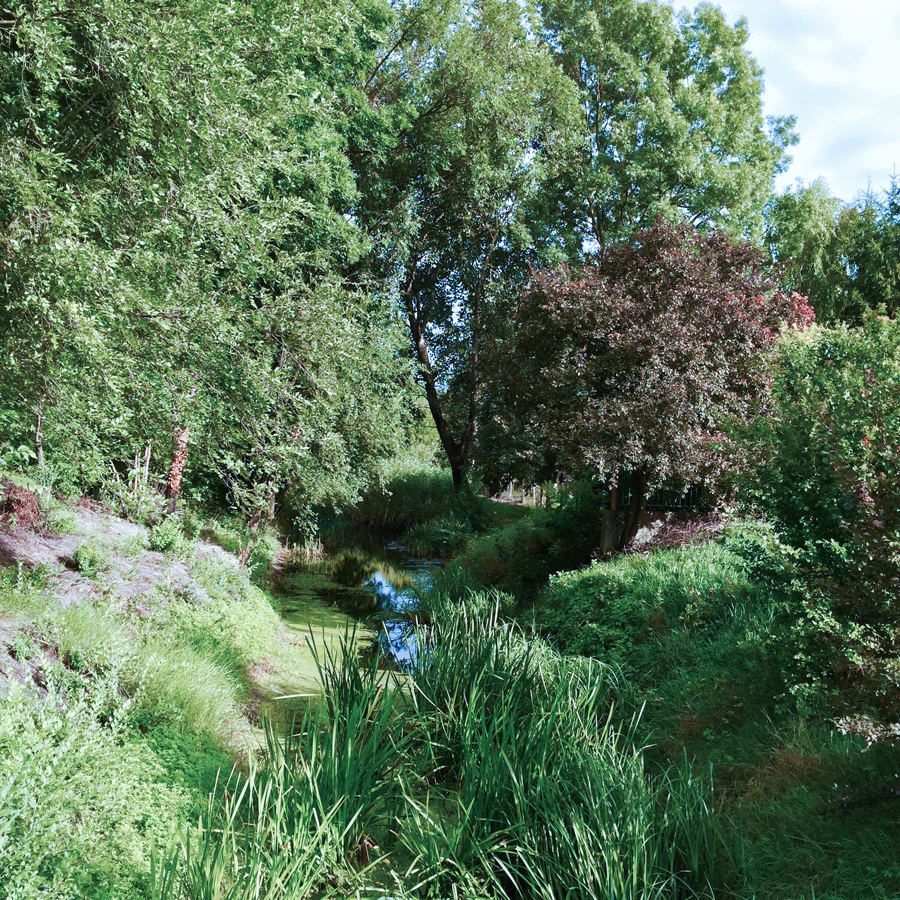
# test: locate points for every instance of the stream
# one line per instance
(366, 590)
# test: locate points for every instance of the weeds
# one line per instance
(91, 558)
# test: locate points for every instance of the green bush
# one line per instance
(262, 553)
(828, 475)
(408, 500)
(135, 545)
(519, 558)
(59, 520)
(227, 535)
(167, 536)
(692, 629)
(81, 804)
(91, 558)
(445, 537)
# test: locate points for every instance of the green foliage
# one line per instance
(671, 104)
(552, 799)
(231, 622)
(91, 558)
(685, 626)
(199, 282)
(327, 786)
(828, 476)
(844, 257)
(409, 500)
(477, 130)
(168, 537)
(263, 552)
(60, 520)
(519, 557)
(82, 804)
(135, 545)
(259, 549)
(495, 769)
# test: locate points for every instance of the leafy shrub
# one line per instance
(168, 536)
(135, 545)
(409, 500)
(59, 520)
(829, 477)
(81, 804)
(227, 536)
(440, 537)
(262, 553)
(91, 558)
(692, 629)
(519, 558)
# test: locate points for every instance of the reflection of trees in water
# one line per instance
(369, 581)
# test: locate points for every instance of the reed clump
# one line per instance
(495, 767)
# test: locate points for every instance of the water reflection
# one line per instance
(398, 636)
(372, 582)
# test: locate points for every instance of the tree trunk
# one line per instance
(459, 453)
(39, 439)
(636, 511)
(179, 457)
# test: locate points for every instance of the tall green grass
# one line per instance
(314, 810)
(496, 767)
(550, 796)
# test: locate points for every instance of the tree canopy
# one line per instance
(529, 139)
(845, 257)
(635, 363)
(173, 232)
(671, 118)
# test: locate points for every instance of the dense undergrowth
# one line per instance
(496, 767)
(716, 644)
(119, 715)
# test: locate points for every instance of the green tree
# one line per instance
(827, 474)
(671, 110)
(173, 238)
(846, 258)
(483, 121)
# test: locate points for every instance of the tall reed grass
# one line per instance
(494, 768)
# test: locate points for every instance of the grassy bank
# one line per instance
(494, 768)
(133, 660)
(711, 643)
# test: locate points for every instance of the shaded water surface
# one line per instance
(368, 589)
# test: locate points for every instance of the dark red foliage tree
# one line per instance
(634, 363)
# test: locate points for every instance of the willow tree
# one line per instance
(173, 233)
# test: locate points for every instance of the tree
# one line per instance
(636, 362)
(527, 141)
(483, 121)
(174, 190)
(846, 258)
(827, 474)
(671, 112)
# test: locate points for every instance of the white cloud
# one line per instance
(835, 65)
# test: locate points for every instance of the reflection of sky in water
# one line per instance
(398, 636)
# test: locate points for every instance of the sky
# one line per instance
(835, 65)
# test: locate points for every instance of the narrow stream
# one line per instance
(367, 589)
